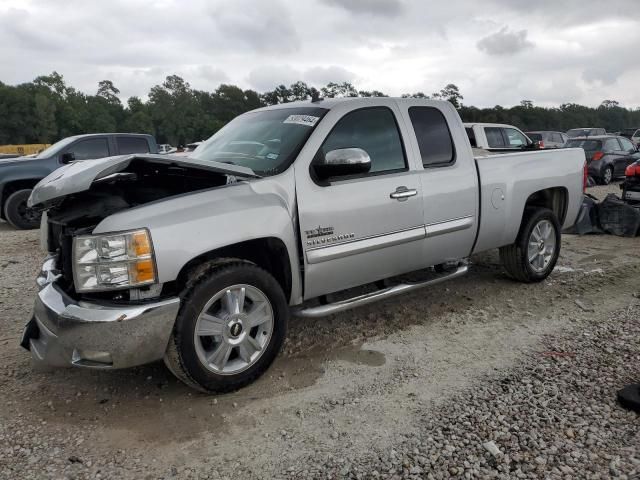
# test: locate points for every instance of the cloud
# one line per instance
(320, 76)
(270, 76)
(395, 46)
(265, 27)
(504, 42)
(369, 7)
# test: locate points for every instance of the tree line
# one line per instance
(47, 109)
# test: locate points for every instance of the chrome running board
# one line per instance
(342, 305)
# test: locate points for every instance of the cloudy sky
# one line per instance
(496, 51)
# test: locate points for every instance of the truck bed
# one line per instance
(508, 180)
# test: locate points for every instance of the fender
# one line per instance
(188, 226)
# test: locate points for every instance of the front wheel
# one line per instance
(535, 252)
(18, 214)
(230, 327)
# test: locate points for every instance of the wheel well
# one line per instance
(268, 253)
(555, 199)
(14, 186)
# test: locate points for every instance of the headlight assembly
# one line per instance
(113, 261)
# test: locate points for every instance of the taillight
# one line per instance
(540, 144)
(597, 156)
(632, 170)
(585, 177)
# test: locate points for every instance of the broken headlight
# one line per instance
(113, 261)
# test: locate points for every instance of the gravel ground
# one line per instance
(477, 378)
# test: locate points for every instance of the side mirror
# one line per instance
(343, 161)
(68, 157)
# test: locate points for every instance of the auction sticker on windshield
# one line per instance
(307, 120)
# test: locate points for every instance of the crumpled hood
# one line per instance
(78, 176)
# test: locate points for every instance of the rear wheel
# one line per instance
(607, 175)
(534, 254)
(18, 214)
(231, 325)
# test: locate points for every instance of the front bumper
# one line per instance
(64, 332)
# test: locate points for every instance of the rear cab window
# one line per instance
(129, 145)
(433, 136)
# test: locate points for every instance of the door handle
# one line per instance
(402, 193)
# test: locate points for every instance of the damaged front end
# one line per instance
(76, 199)
(117, 323)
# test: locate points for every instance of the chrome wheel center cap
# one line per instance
(541, 245)
(235, 329)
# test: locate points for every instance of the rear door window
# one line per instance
(494, 137)
(128, 145)
(90, 148)
(433, 135)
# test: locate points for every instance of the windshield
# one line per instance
(55, 148)
(267, 142)
(536, 137)
(587, 145)
(579, 132)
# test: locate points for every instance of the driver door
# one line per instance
(360, 228)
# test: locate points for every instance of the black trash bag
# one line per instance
(629, 397)
(587, 221)
(617, 217)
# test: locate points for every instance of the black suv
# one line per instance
(19, 175)
(607, 155)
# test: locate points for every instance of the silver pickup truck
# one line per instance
(201, 260)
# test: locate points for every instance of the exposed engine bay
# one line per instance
(141, 182)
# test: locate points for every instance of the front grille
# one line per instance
(60, 242)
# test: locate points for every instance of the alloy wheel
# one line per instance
(542, 245)
(233, 329)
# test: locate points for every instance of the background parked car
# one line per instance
(607, 156)
(585, 132)
(497, 138)
(165, 148)
(19, 175)
(632, 134)
(548, 139)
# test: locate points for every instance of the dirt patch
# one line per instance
(357, 382)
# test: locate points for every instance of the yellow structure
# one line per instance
(24, 149)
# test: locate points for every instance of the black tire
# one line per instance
(515, 257)
(18, 214)
(181, 356)
(606, 180)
